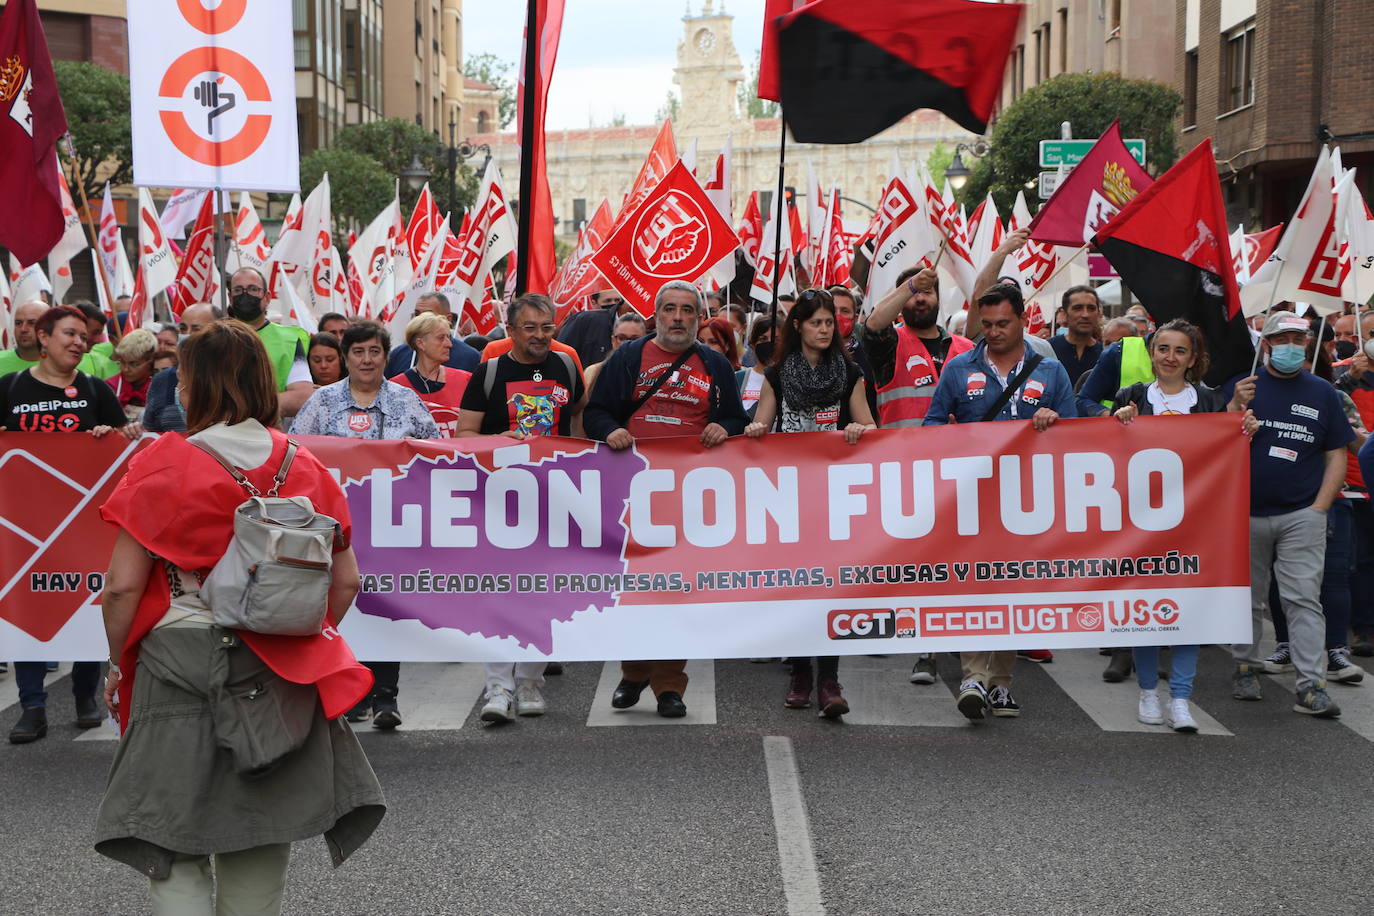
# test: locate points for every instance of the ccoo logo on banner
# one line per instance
(676, 234)
(213, 94)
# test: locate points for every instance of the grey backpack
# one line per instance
(274, 576)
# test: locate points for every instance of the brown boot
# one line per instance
(830, 700)
(799, 690)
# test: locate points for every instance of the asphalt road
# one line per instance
(773, 811)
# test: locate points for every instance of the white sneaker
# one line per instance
(499, 706)
(1148, 710)
(528, 700)
(1180, 718)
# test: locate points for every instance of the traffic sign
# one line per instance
(1048, 182)
(1071, 152)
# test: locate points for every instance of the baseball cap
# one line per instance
(1282, 322)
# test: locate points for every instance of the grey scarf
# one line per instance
(807, 388)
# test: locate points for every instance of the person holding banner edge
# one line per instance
(1001, 378)
(652, 388)
(813, 385)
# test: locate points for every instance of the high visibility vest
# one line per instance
(281, 342)
(1135, 366)
(905, 400)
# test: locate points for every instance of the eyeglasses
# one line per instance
(235, 290)
(531, 328)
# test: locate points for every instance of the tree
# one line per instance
(749, 102)
(495, 72)
(97, 105)
(393, 143)
(936, 163)
(1090, 101)
(669, 109)
(358, 187)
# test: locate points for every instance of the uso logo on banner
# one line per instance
(675, 234)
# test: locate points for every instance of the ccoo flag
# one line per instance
(848, 69)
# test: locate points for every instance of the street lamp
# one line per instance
(957, 174)
(415, 174)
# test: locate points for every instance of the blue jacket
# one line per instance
(163, 414)
(968, 387)
(460, 357)
(608, 407)
(1102, 383)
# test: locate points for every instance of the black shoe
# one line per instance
(88, 713)
(1363, 646)
(360, 713)
(1120, 666)
(553, 669)
(32, 725)
(627, 693)
(385, 715)
(670, 705)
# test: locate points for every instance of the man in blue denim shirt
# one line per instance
(970, 385)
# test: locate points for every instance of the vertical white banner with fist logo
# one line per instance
(213, 94)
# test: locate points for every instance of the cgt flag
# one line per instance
(1106, 180)
(1171, 246)
(848, 69)
(675, 234)
(31, 121)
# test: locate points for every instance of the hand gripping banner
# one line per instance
(980, 536)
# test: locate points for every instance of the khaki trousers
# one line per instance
(245, 883)
(992, 669)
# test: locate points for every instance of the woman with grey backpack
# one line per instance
(226, 673)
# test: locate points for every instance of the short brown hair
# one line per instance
(228, 377)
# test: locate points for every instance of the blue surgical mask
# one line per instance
(1062, 332)
(1287, 358)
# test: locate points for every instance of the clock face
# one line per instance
(705, 41)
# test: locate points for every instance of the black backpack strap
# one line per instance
(1013, 385)
(662, 380)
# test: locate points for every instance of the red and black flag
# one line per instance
(1171, 246)
(847, 69)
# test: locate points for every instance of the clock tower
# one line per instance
(708, 74)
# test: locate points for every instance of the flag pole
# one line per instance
(1273, 291)
(781, 215)
(525, 231)
(214, 208)
(1063, 266)
(90, 231)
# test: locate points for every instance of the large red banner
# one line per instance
(973, 536)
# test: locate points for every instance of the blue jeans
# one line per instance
(29, 677)
(1182, 669)
(1337, 577)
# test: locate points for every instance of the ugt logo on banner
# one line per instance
(213, 94)
(675, 234)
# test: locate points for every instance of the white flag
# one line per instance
(720, 190)
(374, 256)
(72, 243)
(27, 283)
(250, 247)
(113, 255)
(180, 211)
(300, 240)
(903, 235)
(422, 282)
(770, 253)
(155, 255)
(490, 237)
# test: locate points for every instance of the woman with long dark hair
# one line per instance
(813, 385)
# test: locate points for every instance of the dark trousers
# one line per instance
(29, 677)
(1338, 575)
(386, 682)
(1362, 579)
(827, 667)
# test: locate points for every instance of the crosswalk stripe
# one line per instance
(1078, 672)
(700, 699)
(436, 696)
(1355, 700)
(876, 689)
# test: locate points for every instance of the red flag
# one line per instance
(839, 255)
(579, 279)
(195, 280)
(1171, 246)
(676, 234)
(773, 11)
(751, 229)
(31, 121)
(662, 156)
(1097, 189)
(848, 69)
(424, 222)
(537, 218)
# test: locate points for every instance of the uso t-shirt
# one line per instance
(533, 398)
(682, 406)
(30, 406)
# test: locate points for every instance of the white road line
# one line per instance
(700, 699)
(1078, 672)
(435, 696)
(800, 880)
(880, 692)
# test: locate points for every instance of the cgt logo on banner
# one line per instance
(480, 550)
(213, 94)
(676, 234)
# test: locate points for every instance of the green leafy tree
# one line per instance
(669, 109)
(1090, 101)
(749, 102)
(393, 143)
(936, 163)
(97, 105)
(495, 72)
(358, 187)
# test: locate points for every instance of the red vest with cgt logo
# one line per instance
(905, 400)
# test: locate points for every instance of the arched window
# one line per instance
(482, 122)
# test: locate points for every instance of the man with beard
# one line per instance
(286, 346)
(1078, 348)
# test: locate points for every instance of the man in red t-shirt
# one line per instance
(654, 387)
